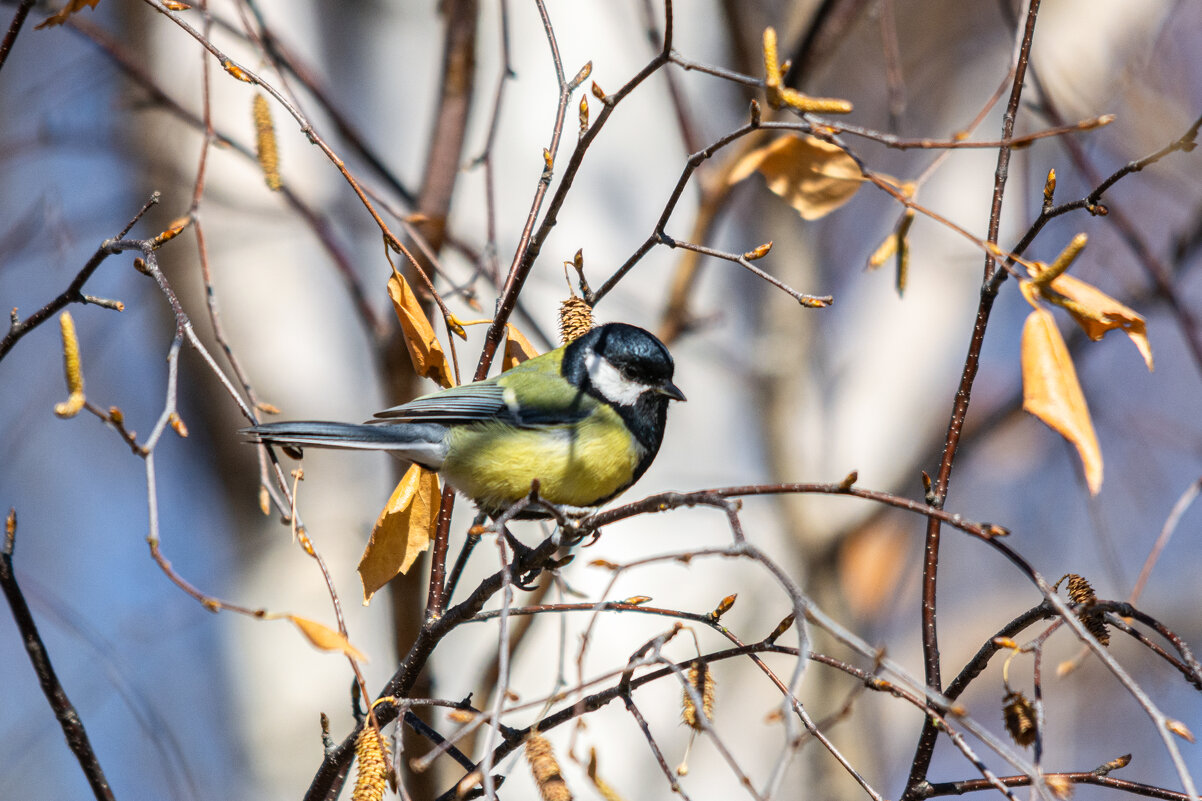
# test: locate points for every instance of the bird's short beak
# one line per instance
(671, 390)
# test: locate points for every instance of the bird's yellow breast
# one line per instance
(582, 464)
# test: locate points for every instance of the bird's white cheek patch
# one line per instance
(610, 383)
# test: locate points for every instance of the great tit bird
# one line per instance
(586, 420)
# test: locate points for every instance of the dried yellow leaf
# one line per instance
(1052, 393)
(813, 176)
(68, 10)
(402, 531)
(1031, 292)
(517, 348)
(325, 638)
(429, 359)
(1096, 313)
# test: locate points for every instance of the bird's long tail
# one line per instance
(423, 443)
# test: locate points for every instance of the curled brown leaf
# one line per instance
(429, 359)
(1052, 392)
(402, 531)
(325, 638)
(813, 176)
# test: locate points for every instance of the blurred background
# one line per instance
(182, 704)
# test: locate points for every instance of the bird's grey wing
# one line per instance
(484, 400)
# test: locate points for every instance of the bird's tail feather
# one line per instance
(416, 442)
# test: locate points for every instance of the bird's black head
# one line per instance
(629, 369)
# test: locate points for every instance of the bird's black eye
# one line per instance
(633, 372)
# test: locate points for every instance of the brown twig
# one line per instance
(1159, 274)
(932, 790)
(14, 29)
(286, 59)
(530, 244)
(718, 497)
(930, 641)
(505, 75)
(895, 82)
(318, 223)
(648, 654)
(246, 75)
(39, 657)
(809, 301)
(501, 690)
(438, 626)
(74, 291)
(658, 236)
(329, 776)
(434, 204)
(707, 619)
(685, 122)
(1092, 202)
(527, 249)
(1162, 540)
(1188, 664)
(202, 250)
